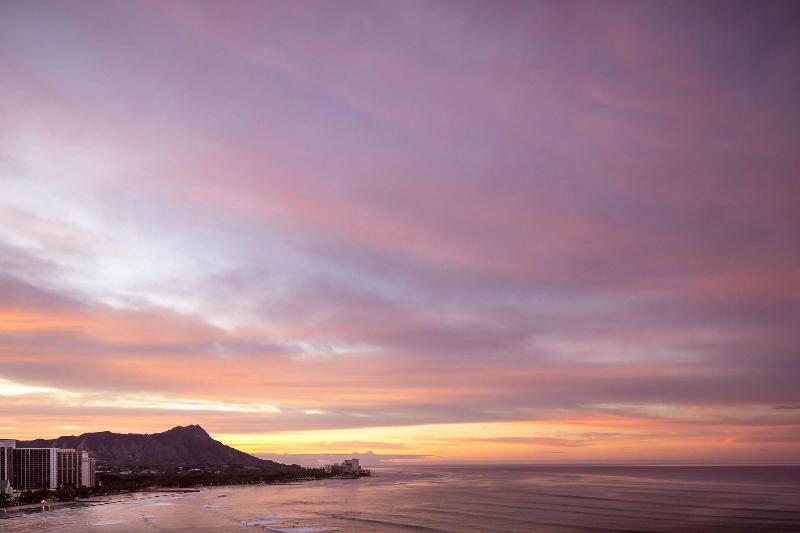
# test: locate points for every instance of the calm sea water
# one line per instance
(464, 499)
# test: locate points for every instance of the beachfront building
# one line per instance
(7, 461)
(35, 468)
(69, 468)
(75, 468)
(347, 468)
(350, 467)
(88, 465)
(43, 468)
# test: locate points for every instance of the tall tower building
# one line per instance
(69, 467)
(7, 461)
(35, 468)
(75, 468)
(87, 470)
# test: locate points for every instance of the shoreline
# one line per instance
(155, 492)
(8, 512)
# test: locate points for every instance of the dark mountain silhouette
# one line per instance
(187, 445)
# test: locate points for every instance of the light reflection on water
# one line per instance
(463, 499)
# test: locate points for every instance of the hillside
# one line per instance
(179, 445)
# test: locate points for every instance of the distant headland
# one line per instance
(180, 445)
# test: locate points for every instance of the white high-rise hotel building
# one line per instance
(6, 464)
(44, 468)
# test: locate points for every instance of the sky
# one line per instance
(412, 231)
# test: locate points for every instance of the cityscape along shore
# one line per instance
(43, 468)
(46, 474)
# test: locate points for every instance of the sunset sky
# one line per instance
(436, 231)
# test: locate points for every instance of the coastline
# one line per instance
(155, 492)
(9, 512)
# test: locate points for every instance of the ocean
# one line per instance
(461, 499)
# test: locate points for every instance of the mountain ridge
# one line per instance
(179, 445)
